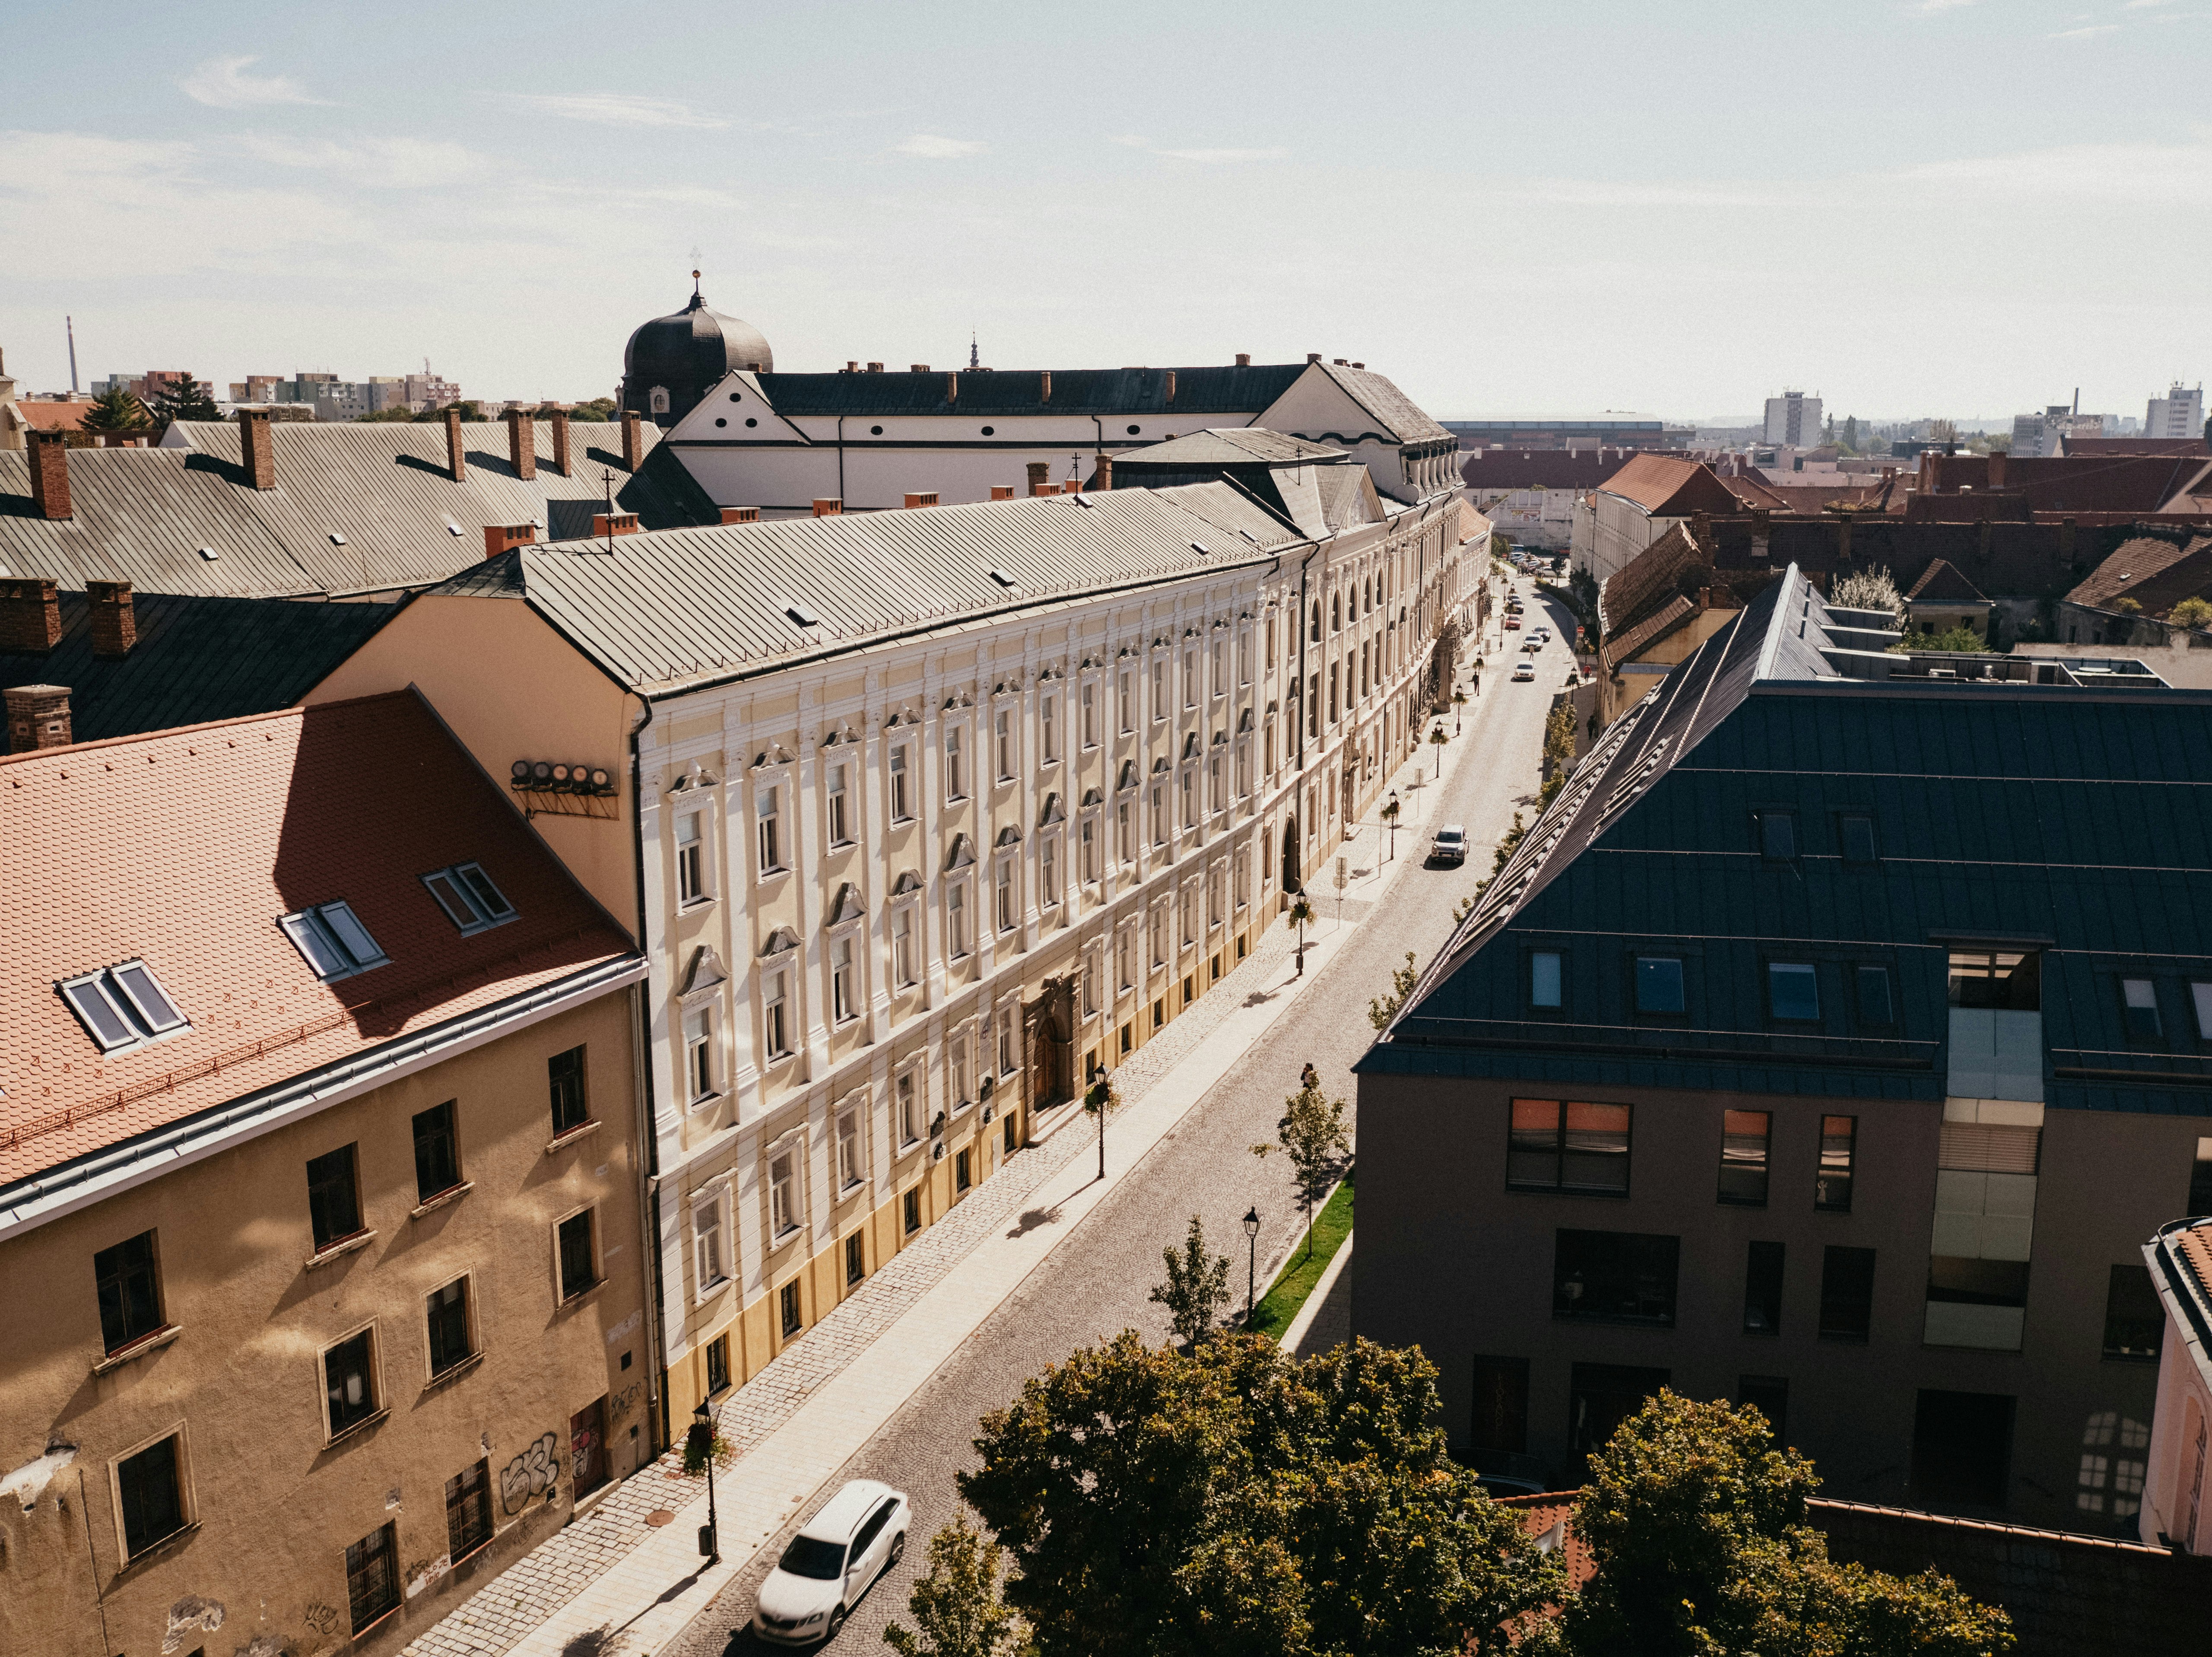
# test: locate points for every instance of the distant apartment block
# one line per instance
(2180, 413)
(1793, 418)
(1542, 432)
(333, 399)
(149, 385)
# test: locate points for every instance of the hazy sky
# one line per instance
(1964, 206)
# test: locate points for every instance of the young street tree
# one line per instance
(183, 399)
(1312, 1134)
(1699, 1528)
(956, 1602)
(1382, 1009)
(1236, 1501)
(1197, 1287)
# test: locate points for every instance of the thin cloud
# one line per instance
(1223, 156)
(223, 84)
(378, 163)
(930, 147)
(1944, 5)
(2090, 33)
(616, 109)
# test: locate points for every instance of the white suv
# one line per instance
(830, 1563)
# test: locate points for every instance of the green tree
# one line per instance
(1312, 1134)
(1868, 589)
(468, 408)
(1851, 434)
(1560, 738)
(1965, 639)
(598, 408)
(116, 410)
(1699, 1527)
(1197, 1286)
(1384, 1008)
(2189, 612)
(1506, 841)
(183, 399)
(1236, 1501)
(956, 1604)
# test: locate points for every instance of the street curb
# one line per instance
(1311, 1309)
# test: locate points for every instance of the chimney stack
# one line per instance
(740, 514)
(114, 621)
(1104, 477)
(1044, 386)
(918, 367)
(30, 613)
(921, 497)
(1244, 359)
(1038, 469)
(49, 457)
(1997, 470)
(505, 538)
(828, 506)
(633, 442)
(952, 388)
(560, 443)
(1313, 357)
(1701, 531)
(38, 717)
(1171, 388)
(607, 524)
(875, 368)
(257, 448)
(457, 460)
(522, 444)
(1002, 492)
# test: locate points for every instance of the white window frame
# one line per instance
(1126, 694)
(786, 1195)
(1087, 848)
(768, 829)
(851, 1148)
(325, 928)
(959, 1077)
(1090, 713)
(900, 765)
(139, 1024)
(906, 946)
(1009, 1054)
(702, 1070)
(1006, 897)
(847, 995)
(711, 1204)
(909, 1109)
(959, 944)
(1048, 730)
(1125, 959)
(776, 983)
(1049, 872)
(837, 818)
(1002, 743)
(956, 783)
(692, 861)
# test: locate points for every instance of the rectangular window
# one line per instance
(372, 1577)
(1003, 896)
(856, 1259)
(1332, 692)
(1544, 985)
(1159, 817)
(2134, 1322)
(1189, 798)
(718, 1365)
(1009, 1049)
(1832, 1190)
(2139, 1006)
(1127, 710)
(1091, 716)
(1501, 1406)
(437, 1152)
(787, 1298)
(2200, 995)
(902, 807)
(1157, 933)
(350, 1381)
(699, 1053)
(844, 991)
(690, 859)
(1159, 689)
(448, 1313)
(1124, 959)
(710, 1249)
(766, 821)
(1220, 668)
(564, 1076)
(153, 1491)
(1793, 992)
(1659, 983)
(1125, 842)
(1769, 1395)
(128, 1279)
(333, 1197)
(332, 940)
(1049, 728)
(782, 1214)
(1190, 678)
(848, 1150)
(902, 949)
(2200, 1179)
(1778, 835)
(1003, 734)
(909, 1108)
(2003, 980)
(1049, 872)
(1243, 769)
(1244, 658)
(961, 1178)
(580, 1268)
(910, 1210)
(1573, 1146)
(1876, 1006)
(960, 1077)
(1614, 1276)
(1743, 1156)
(955, 917)
(1846, 1294)
(1855, 835)
(841, 822)
(468, 1511)
(1762, 1289)
(774, 1019)
(1087, 849)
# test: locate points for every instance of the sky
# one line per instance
(1912, 207)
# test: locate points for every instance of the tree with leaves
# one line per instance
(1197, 1286)
(1506, 841)
(1700, 1531)
(1237, 1501)
(1312, 1134)
(1868, 589)
(1384, 1008)
(956, 1604)
(116, 410)
(2192, 612)
(183, 400)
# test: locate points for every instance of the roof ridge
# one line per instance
(296, 709)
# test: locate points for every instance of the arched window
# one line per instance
(1336, 612)
(1317, 621)
(657, 399)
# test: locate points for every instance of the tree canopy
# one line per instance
(183, 399)
(116, 410)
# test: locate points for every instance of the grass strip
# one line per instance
(1301, 1272)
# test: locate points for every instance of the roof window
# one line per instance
(469, 899)
(332, 940)
(802, 615)
(1001, 577)
(122, 1006)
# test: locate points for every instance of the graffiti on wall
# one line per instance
(423, 1572)
(622, 1401)
(190, 1615)
(320, 1617)
(537, 1468)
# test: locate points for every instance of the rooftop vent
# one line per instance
(1001, 577)
(802, 615)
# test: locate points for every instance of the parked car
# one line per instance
(1512, 621)
(1524, 671)
(830, 1563)
(1449, 845)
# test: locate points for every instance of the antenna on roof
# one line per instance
(607, 478)
(974, 360)
(69, 324)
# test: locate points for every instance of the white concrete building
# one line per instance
(1794, 418)
(2180, 413)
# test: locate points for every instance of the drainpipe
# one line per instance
(656, 1368)
(840, 496)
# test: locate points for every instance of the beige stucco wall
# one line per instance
(276, 1504)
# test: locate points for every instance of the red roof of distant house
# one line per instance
(1543, 468)
(182, 849)
(2155, 572)
(2092, 445)
(51, 414)
(2113, 482)
(1667, 488)
(1942, 583)
(1647, 581)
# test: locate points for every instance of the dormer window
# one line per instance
(122, 1006)
(471, 901)
(332, 940)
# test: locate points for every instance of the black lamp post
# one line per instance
(1393, 815)
(1251, 1259)
(702, 1439)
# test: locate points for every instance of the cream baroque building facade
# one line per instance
(907, 877)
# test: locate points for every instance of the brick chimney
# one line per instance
(828, 506)
(505, 538)
(1038, 469)
(633, 442)
(952, 388)
(1762, 521)
(522, 444)
(257, 448)
(921, 497)
(457, 460)
(1997, 470)
(605, 524)
(38, 717)
(875, 368)
(560, 443)
(740, 514)
(918, 367)
(114, 621)
(1171, 388)
(1044, 386)
(1244, 359)
(1002, 492)
(1104, 477)
(1701, 530)
(30, 613)
(1313, 357)
(50, 496)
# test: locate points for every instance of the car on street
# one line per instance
(859, 1535)
(1532, 646)
(1512, 621)
(1524, 671)
(1449, 845)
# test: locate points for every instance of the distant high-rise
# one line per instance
(2180, 413)
(1793, 418)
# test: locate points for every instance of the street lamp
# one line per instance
(1459, 701)
(1390, 816)
(1251, 1259)
(702, 1442)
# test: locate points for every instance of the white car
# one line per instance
(1524, 671)
(1449, 845)
(830, 1563)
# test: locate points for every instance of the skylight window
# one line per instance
(1002, 577)
(802, 615)
(122, 1006)
(332, 940)
(469, 899)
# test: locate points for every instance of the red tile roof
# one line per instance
(52, 414)
(1943, 583)
(183, 848)
(2105, 483)
(1666, 488)
(2156, 572)
(1647, 581)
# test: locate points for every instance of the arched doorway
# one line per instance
(1292, 881)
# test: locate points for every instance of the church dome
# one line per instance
(684, 355)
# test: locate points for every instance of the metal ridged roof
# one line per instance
(1232, 446)
(1008, 391)
(661, 612)
(1401, 416)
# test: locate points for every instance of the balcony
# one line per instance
(1996, 1053)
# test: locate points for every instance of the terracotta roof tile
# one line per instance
(2155, 571)
(183, 848)
(1647, 581)
(1656, 625)
(1944, 583)
(1666, 488)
